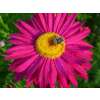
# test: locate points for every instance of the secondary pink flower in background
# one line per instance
(50, 49)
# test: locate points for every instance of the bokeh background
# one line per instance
(7, 26)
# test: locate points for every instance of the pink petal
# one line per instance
(28, 84)
(83, 34)
(23, 30)
(25, 65)
(62, 81)
(31, 70)
(80, 70)
(50, 22)
(28, 27)
(20, 38)
(16, 63)
(56, 22)
(75, 28)
(35, 74)
(34, 67)
(86, 66)
(80, 44)
(41, 75)
(21, 54)
(46, 72)
(20, 48)
(43, 21)
(16, 42)
(61, 22)
(88, 54)
(52, 74)
(61, 76)
(36, 23)
(20, 34)
(69, 72)
(68, 22)
(81, 55)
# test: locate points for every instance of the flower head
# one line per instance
(50, 49)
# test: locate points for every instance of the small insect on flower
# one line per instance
(50, 49)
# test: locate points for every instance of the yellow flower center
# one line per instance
(50, 45)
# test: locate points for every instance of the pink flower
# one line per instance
(50, 49)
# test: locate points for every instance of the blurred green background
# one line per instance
(7, 26)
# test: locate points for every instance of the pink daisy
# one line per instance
(50, 49)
